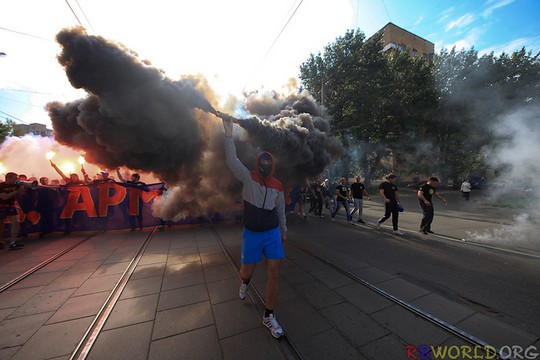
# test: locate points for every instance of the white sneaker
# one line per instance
(243, 290)
(378, 226)
(271, 323)
(397, 232)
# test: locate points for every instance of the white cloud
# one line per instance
(470, 40)
(445, 14)
(460, 22)
(510, 47)
(495, 4)
(418, 21)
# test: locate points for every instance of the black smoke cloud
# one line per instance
(134, 116)
(294, 129)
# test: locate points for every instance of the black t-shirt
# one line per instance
(428, 191)
(389, 190)
(344, 191)
(317, 189)
(6, 189)
(357, 189)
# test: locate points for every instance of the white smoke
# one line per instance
(516, 186)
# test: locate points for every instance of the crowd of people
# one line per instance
(19, 189)
(326, 194)
(351, 198)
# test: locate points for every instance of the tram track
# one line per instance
(44, 263)
(462, 241)
(286, 346)
(461, 334)
(85, 345)
(430, 318)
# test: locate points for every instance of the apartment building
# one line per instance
(394, 37)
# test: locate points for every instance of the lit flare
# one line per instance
(50, 155)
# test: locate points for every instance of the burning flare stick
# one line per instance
(227, 117)
(50, 155)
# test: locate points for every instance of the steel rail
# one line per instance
(42, 264)
(423, 314)
(89, 338)
(286, 346)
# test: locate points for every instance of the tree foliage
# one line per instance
(398, 113)
(6, 128)
(377, 100)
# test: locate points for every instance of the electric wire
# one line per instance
(21, 102)
(73, 12)
(85, 17)
(26, 34)
(276, 39)
(387, 13)
(14, 117)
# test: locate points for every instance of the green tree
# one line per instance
(377, 100)
(6, 128)
(426, 120)
(472, 93)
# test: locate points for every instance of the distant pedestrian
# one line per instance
(389, 192)
(466, 189)
(343, 196)
(303, 192)
(9, 189)
(327, 195)
(317, 198)
(358, 189)
(425, 197)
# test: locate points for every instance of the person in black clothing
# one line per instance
(134, 182)
(389, 192)
(9, 190)
(316, 198)
(342, 198)
(425, 197)
(358, 190)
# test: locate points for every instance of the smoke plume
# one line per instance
(136, 117)
(516, 184)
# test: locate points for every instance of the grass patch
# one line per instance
(513, 202)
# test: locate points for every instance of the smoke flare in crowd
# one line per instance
(136, 117)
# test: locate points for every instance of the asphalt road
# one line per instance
(497, 280)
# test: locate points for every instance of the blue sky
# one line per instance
(235, 44)
(494, 25)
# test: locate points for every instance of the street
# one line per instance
(493, 278)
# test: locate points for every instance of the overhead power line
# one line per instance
(25, 34)
(85, 17)
(73, 12)
(277, 37)
(283, 29)
(14, 117)
(387, 13)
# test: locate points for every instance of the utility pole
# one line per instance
(322, 92)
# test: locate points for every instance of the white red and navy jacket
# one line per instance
(264, 201)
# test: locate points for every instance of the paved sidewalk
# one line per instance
(182, 303)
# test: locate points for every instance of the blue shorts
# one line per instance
(255, 244)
